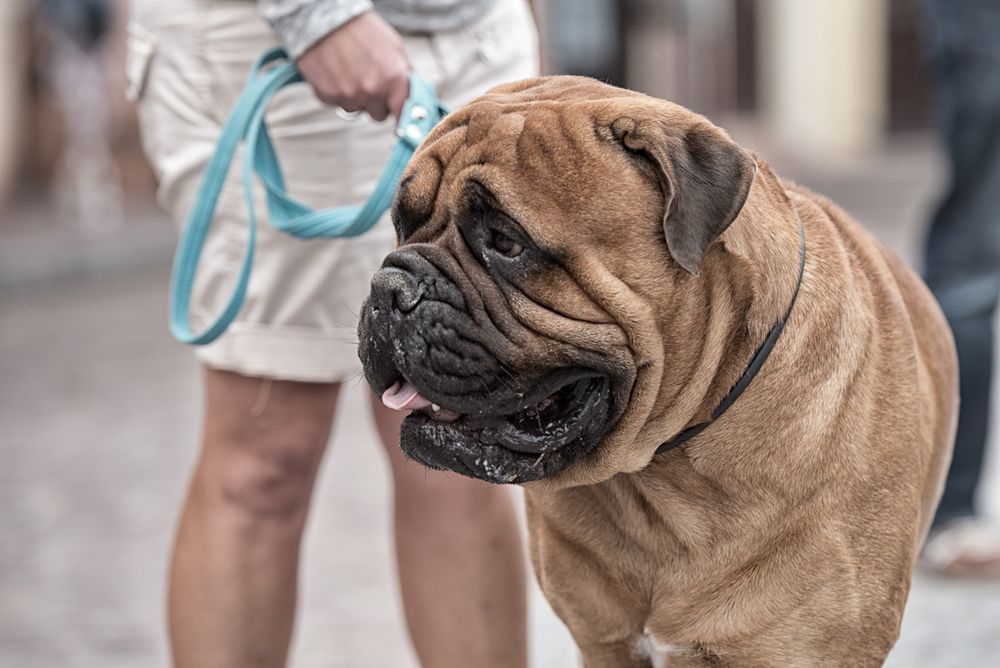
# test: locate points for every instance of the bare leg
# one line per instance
(461, 566)
(233, 578)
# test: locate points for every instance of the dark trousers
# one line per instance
(963, 245)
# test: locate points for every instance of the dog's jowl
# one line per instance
(730, 407)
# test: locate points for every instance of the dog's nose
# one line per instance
(394, 289)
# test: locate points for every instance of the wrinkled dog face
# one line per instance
(509, 403)
(500, 320)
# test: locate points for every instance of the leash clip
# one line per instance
(421, 112)
(411, 134)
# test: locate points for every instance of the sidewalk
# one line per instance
(37, 247)
(99, 409)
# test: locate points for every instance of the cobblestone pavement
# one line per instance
(98, 417)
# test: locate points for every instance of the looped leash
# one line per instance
(246, 126)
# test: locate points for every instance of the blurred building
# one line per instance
(825, 79)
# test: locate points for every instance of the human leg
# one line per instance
(233, 574)
(460, 560)
(963, 263)
(963, 246)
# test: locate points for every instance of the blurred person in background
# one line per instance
(963, 261)
(12, 54)
(272, 381)
(87, 183)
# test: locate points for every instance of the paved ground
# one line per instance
(98, 414)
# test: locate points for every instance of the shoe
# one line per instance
(968, 546)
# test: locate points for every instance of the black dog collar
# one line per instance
(755, 363)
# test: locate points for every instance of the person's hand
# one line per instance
(360, 66)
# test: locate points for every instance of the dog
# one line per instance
(731, 409)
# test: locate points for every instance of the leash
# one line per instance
(756, 362)
(246, 125)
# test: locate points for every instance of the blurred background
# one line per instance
(99, 407)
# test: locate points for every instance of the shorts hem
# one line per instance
(300, 354)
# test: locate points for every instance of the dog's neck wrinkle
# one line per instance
(720, 359)
(762, 276)
(731, 364)
(763, 248)
(766, 236)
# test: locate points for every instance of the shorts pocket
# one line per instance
(140, 50)
(506, 33)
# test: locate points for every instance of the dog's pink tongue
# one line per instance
(404, 397)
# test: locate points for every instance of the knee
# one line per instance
(267, 474)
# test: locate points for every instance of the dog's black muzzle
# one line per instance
(513, 425)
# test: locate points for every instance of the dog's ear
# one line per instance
(705, 179)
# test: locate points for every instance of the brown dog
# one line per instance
(585, 272)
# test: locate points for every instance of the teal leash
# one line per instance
(246, 126)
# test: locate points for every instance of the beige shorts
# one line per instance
(187, 62)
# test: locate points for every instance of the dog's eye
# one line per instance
(505, 245)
